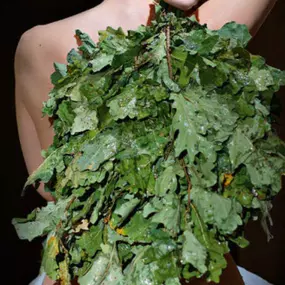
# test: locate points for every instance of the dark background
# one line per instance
(20, 260)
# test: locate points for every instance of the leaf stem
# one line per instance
(201, 226)
(108, 265)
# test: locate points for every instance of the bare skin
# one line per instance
(41, 46)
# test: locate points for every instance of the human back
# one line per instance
(37, 51)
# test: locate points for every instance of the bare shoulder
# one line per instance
(36, 53)
(39, 47)
(43, 45)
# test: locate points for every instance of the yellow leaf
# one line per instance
(53, 245)
(121, 231)
(64, 275)
(111, 225)
(228, 178)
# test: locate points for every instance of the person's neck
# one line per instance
(135, 12)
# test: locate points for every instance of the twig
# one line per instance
(168, 51)
(70, 203)
(65, 212)
(63, 247)
(109, 212)
(182, 161)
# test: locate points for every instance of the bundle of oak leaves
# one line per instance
(163, 151)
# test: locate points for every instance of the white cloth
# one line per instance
(248, 278)
(251, 279)
(39, 280)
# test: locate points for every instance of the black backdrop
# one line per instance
(20, 260)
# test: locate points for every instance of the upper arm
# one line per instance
(215, 13)
(31, 89)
